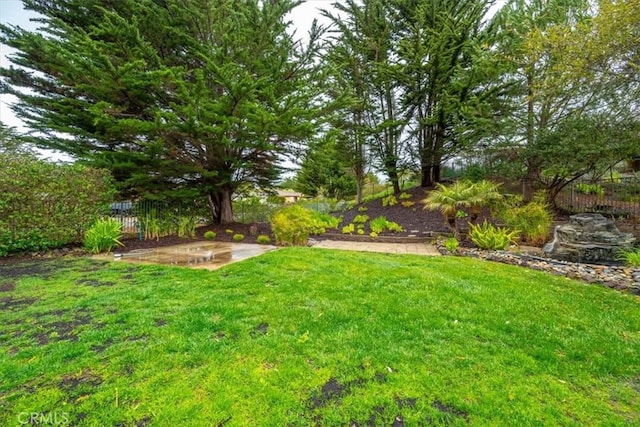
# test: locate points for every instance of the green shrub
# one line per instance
(348, 229)
(45, 205)
(228, 231)
(360, 219)
(263, 239)
(390, 200)
(533, 219)
(631, 258)
(404, 196)
(584, 188)
(408, 204)
(362, 209)
(238, 237)
(103, 236)
(210, 235)
(360, 231)
(486, 236)
(452, 244)
(293, 224)
(373, 234)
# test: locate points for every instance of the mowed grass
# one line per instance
(305, 336)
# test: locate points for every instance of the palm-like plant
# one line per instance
(448, 199)
(481, 194)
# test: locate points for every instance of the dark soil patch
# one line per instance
(260, 330)
(333, 391)
(11, 303)
(16, 270)
(82, 383)
(408, 402)
(99, 348)
(63, 330)
(7, 287)
(450, 410)
(94, 283)
(160, 322)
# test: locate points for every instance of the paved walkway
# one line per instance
(393, 248)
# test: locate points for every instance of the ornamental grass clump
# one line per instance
(103, 236)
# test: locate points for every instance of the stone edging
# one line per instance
(620, 278)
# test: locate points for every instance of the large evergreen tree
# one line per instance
(178, 98)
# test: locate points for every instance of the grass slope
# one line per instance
(304, 336)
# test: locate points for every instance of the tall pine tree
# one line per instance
(180, 99)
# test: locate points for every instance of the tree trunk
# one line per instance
(221, 206)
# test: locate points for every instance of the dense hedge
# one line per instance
(45, 205)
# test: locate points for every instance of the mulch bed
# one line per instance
(414, 219)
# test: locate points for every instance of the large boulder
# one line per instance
(588, 238)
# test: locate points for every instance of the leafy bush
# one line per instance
(630, 258)
(45, 205)
(103, 236)
(210, 235)
(373, 234)
(451, 244)
(360, 219)
(293, 224)
(486, 236)
(360, 231)
(263, 239)
(533, 219)
(228, 231)
(408, 204)
(390, 200)
(584, 188)
(238, 237)
(362, 208)
(348, 229)
(404, 196)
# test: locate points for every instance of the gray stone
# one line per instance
(589, 238)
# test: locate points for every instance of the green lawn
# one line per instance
(305, 336)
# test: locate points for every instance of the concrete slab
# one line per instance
(205, 255)
(393, 248)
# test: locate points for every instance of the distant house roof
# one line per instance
(289, 193)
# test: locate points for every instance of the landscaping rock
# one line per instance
(589, 238)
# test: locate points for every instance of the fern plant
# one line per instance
(486, 236)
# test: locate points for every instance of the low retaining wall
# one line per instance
(616, 277)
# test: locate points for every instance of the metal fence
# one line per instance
(618, 197)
